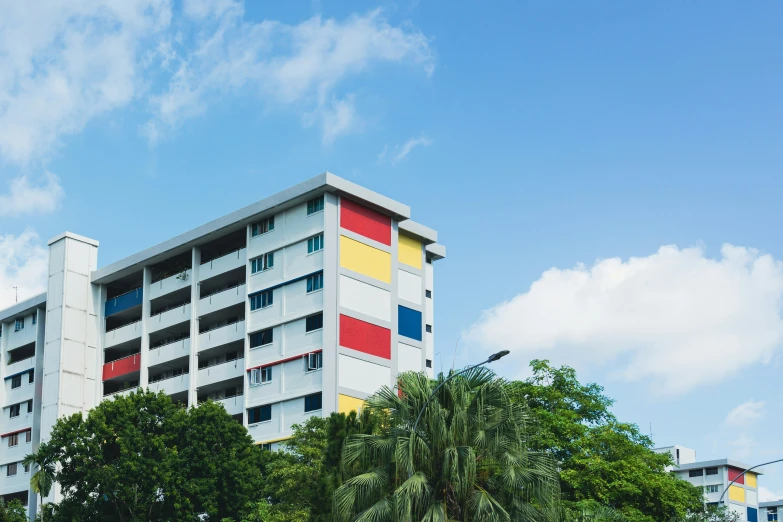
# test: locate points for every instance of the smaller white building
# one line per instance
(770, 511)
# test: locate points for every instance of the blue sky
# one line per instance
(556, 147)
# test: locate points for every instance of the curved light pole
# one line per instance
(720, 500)
(492, 358)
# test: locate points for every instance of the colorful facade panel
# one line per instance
(408, 358)
(409, 323)
(736, 473)
(369, 223)
(409, 286)
(737, 494)
(121, 367)
(750, 480)
(409, 251)
(365, 298)
(347, 404)
(365, 337)
(365, 260)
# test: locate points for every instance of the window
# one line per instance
(712, 489)
(696, 473)
(429, 363)
(262, 263)
(16, 381)
(13, 440)
(314, 244)
(263, 226)
(313, 402)
(260, 376)
(28, 435)
(14, 410)
(315, 205)
(429, 328)
(261, 300)
(11, 470)
(19, 324)
(711, 471)
(35, 318)
(428, 293)
(27, 468)
(315, 282)
(429, 260)
(30, 406)
(261, 338)
(314, 322)
(266, 446)
(259, 414)
(772, 514)
(314, 361)
(31, 377)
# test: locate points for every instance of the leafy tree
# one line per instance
(14, 511)
(467, 460)
(42, 479)
(143, 458)
(602, 461)
(265, 512)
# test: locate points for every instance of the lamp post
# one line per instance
(720, 500)
(492, 358)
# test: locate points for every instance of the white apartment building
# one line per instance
(714, 476)
(299, 305)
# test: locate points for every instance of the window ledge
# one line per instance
(315, 213)
(313, 331)
(314, 252)
(314, 291)
(260, 422)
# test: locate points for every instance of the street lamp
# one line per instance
(492, 358)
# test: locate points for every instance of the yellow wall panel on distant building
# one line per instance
(365, 259)
(737, 494)
(750, 480)
(346, 404)
(409, 251)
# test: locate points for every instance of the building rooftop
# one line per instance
(771, 503)
(22, 306)
(718, 463)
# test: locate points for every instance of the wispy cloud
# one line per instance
(382, 155)
(745, 413)
(767, 495)
(408, 147)
(23, 264)
(26, 198)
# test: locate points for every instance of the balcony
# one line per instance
(234, 405)
(222, 299)
(171, 385)
(21, 421)
(124, 302)
(221, 372)
(170, 284)
(168, 352)
(20, 366)
(17, 483)
(21, 337)
(225, 334)
(126, 365)
(16, 453)
(222, 264)
(120, 393)
(23, 393)
(123, 334)
(169, 318)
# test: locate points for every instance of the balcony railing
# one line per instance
(126, 390)
(123, 326)
(169, 377)
(125, 365)
(124, 301)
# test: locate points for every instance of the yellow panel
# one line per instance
(750, 480)
(346, 404)
(365, 259)
(409, 251)
(737, 494)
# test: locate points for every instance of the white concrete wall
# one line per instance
(361, 375)
(408, 358)
(409, 286)
(365, 298)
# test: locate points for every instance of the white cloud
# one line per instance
(743, 446)
(64, 63)
(24, 198)
(23, 264)
(745, 413)
(767, 495)
(674, 320)
(285, 65)
(409, 145)
(382, 155)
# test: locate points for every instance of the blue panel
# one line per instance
(409, 323)
(753, 515)
(122, 302)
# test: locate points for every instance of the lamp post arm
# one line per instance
(743, 474)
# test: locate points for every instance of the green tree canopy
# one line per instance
(467, 460)
(602, 460)
(13, 511)
(142, 458)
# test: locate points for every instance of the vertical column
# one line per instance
(331, 316)
(395, 301)
(195, 294)
(144, 371)
(40, 340)
(246, 379)
(71, 339)
(4, 332)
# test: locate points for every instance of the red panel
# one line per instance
(365, 337)
(121, 367)
(362, 220)
(734, 473)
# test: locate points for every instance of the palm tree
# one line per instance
(467, 460)
(42, 479)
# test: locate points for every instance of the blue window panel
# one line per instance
(753, 515)
(123, 302)
(409, 323)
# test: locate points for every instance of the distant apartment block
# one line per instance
(299, 305)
